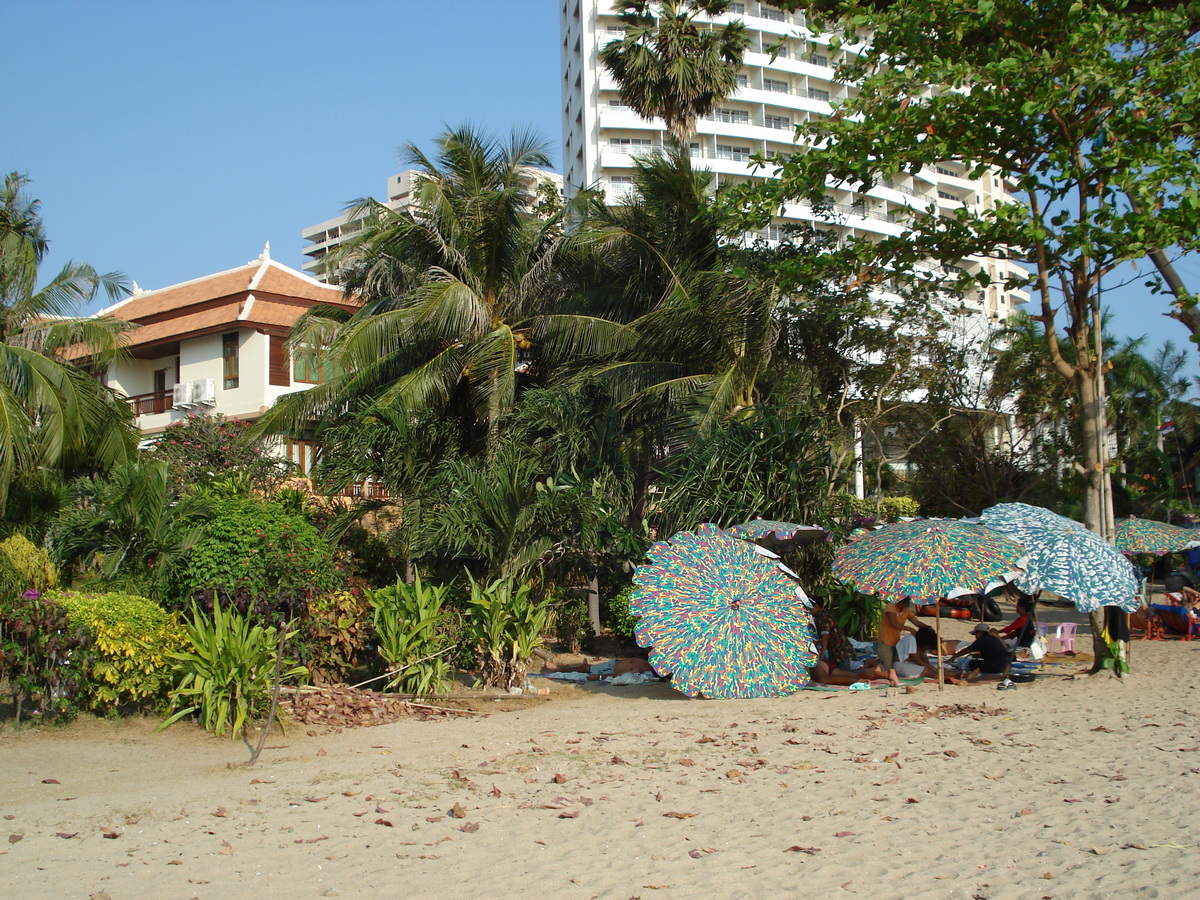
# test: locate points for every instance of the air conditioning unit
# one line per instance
(181, 395)
(204, 392)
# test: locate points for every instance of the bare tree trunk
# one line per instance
(593, 603)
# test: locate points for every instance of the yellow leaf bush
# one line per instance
(132, 638)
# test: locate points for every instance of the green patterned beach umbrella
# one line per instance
(1023, 522)
(1066, 558)
(926, 559)
(722, 617)
(1148, 536)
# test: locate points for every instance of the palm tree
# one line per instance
(669, 66)
(678, 334)
(127, 523)
(51, 411)
(449, 287)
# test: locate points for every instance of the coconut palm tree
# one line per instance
(51, 411)
(449, 287)
(669, 66)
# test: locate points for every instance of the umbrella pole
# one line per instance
(937, 620)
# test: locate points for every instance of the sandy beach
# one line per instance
(1064, 788)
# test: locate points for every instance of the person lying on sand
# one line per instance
(596, 671)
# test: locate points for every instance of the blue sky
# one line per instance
(170, 140)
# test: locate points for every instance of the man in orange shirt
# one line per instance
(892, 626)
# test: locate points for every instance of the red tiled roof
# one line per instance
(268, 276)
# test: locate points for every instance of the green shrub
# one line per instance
(887, 508)
(411, 637)
(333, 632)
(506, 626)
(32, 562)
(12, 582)
(856, 613)
(132, 639)
(617, 618)
(571, 624)
(42, 655)
(228, 674)
(259, 547)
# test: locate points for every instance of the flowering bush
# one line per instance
(201, 449)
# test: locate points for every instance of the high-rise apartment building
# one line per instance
(787, 78)
(323, 237)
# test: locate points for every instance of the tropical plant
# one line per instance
(764, 462)
(127, 523)
(668, 65)
(450, 286)
(227, 676)
(410, 635)
(618, 618)
(856, 613)
(54, 413)
(507, 626)
(131, 640)
(332, 635)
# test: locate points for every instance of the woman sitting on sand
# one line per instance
(1023, 628)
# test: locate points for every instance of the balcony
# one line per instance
(151, 403)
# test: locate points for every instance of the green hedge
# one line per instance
(889, 508)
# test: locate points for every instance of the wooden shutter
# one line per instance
(280, 365)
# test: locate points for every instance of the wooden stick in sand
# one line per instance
(937, 621)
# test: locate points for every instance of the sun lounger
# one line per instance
(1178, 620)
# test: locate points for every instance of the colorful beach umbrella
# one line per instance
(722, 617)
(1083, 567)
(771, 531)
(927, 559)
(1065, 558)
(1021, 521)
(1148, 536)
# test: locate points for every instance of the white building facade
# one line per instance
(323, 237)
(796, 85)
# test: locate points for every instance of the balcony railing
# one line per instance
(151, 403)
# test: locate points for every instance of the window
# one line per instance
(737, 9)
(781, 122)
(302, 454)
(229, 357)
(621, 179)
(740, 154)
(818, 59)
(733, 116)
(946, 195)
(618, 105)
(629, 145)
(743, 81)
(770, 12)
(818, 94)
(694, 149)
(776, 232)
(771, 84)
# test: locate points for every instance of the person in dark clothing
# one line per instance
(1023, 629)
(989, 655)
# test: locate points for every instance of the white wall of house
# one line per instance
(201, 358)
